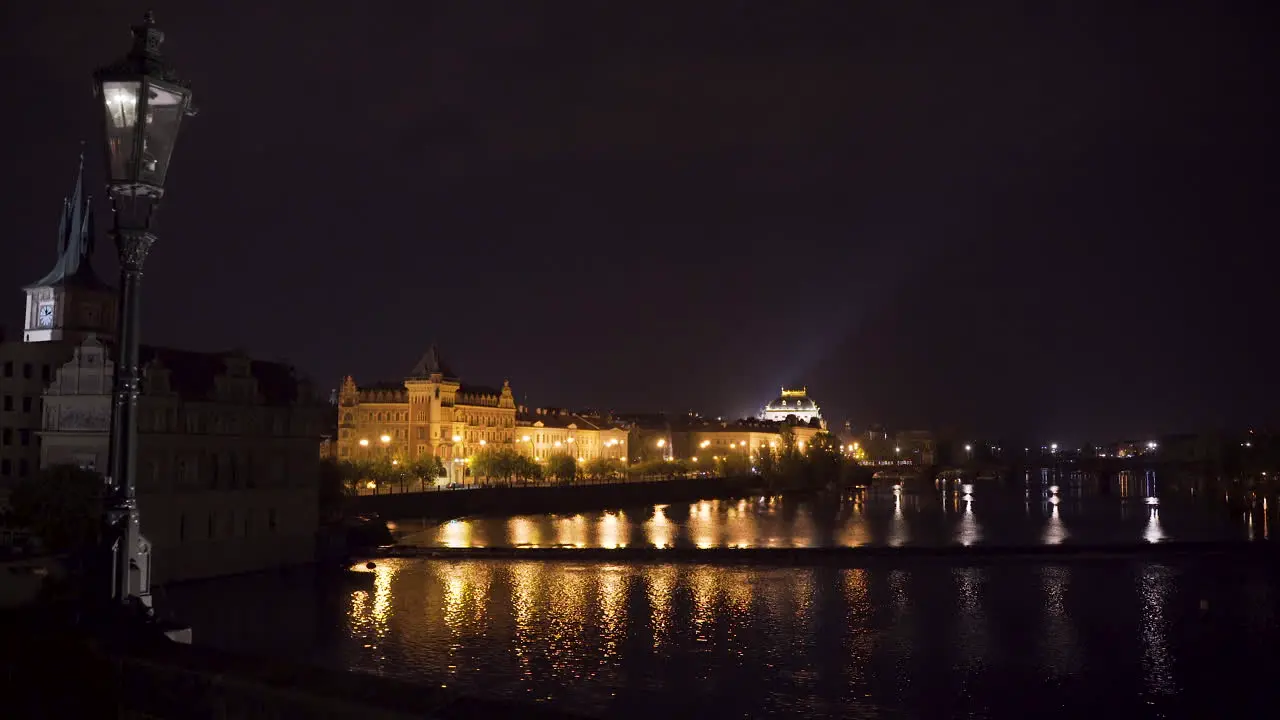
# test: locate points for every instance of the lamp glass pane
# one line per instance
(120, 103)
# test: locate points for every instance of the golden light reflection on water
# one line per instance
(566, 612)
(854, 531)
(571, 531)
(525, 579)
(369, 613)
(611, 535)
(466, 593)
(861, 642)
(704, 525)
(702, 582)
(613, 610)
(524, 532)
(660, 581)
(456, 533)
(658, 529)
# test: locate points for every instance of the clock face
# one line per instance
(44, 316)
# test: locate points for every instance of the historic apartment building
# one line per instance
(228, 454)
(542, 433)
(430, 412)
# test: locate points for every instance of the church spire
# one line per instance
(75, 240)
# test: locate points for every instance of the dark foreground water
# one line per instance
(1126, 637)
(1138, 637)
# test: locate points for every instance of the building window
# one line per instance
(182, 527)
(210, 527)
(24, 437)
(8, 368)
(8, 403)
(46, 373)
(5, 467)
(22, 468)
(26, 371)
(271, 519)
(26, 403)
(6, 436)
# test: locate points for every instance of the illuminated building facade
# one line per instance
(546, 432)
(793, 403)
(430, 412)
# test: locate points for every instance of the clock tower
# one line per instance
(70, 302)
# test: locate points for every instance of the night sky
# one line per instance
(1054, 219)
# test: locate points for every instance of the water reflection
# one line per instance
(898, 533)
(613, 611)
(1154, 587)
(971, 635)
(660, 581)
(658, 530)
(988, 514)
(369, 614)
(635, 640)
(1057, 642)
(610, 534)
(1153, 533)
(970, 530)
(1054, 531)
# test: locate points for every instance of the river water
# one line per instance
(1193, 636)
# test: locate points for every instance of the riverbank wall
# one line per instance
(443, 504)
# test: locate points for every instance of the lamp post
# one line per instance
(143, 103)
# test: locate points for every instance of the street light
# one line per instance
(143, 103)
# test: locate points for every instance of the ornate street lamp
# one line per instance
(143, 103)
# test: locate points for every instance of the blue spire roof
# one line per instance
(75, 241)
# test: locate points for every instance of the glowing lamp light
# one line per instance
(483, 442)
(662, 443)
(364, 442)
(457, 438)
(143, 104)
(385, 439)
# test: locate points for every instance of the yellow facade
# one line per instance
(429, 413)
(721, 442)
(544, 434)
